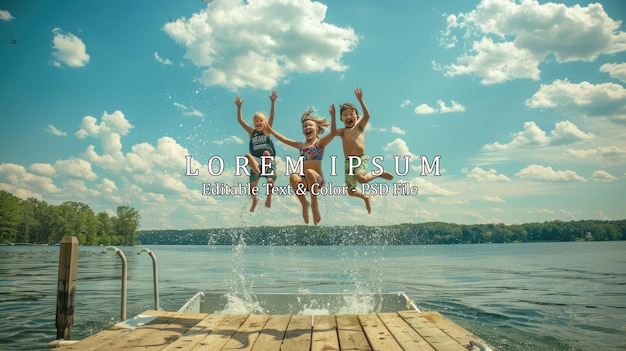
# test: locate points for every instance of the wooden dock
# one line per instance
(404, 330)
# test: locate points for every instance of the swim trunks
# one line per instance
(254, 177)
(351, 179)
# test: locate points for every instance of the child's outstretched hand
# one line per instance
(267, 127)
(358, 92)
(331, 110)
(238, 101)
(273, 95)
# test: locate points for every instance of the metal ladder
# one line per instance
(125, 275)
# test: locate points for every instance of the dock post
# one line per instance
(66, 288)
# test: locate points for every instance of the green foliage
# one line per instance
(35, 222)
(9, 216)
(401, 234)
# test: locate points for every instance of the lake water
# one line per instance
(539, 296)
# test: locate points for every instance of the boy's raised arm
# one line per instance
(366, 113)
(333, 127)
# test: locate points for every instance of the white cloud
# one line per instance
(406, 103)
(75, 167)
(108, 189)
(193, 113)
(615, 70)
(425, 109)
(496, 62)
(44, 169)
(447, 39)
(54, 131)
(68, 50)
(542, 173)
(599, 153)
(515, 37)
(601, 215)
(16, 180)
(602, 176)
(146, 173)
(493, 199)
(188, 112)
(566, 132)
(399, 147)
(233, 139)
(257, 44)
(427, 188)
(79, 189)
(587, 99)
(454, 107)
(6, 16)
(543, 211)
(486, 176)
(162, 60)
(397, 130)
(109, 131)
(532, 136)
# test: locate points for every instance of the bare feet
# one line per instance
(255, 201)
(305, 212)
(366, 198)
(268, 202)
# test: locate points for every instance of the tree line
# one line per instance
(34, 221)
(401, 234)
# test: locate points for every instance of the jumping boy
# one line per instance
(353, 141)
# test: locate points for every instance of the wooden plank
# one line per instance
(166, 328)
(247, 334)
(351, 336)
(454, 330)
(94, 342)
(406, 336)
(128, 337)
(272, 335)
(154, 337)
(379, 337)
(224, 330)
(105, 337)
(435, 336)
(324, 336)
(196, 333)
(173, 331)
(298, 335)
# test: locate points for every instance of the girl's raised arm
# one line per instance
(239, 102)
(273, 97)
(282, 138)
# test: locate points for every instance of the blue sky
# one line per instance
(524, 101)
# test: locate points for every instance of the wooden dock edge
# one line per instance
(394, 331)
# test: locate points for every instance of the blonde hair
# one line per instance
(322, 123)
(260, 114)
